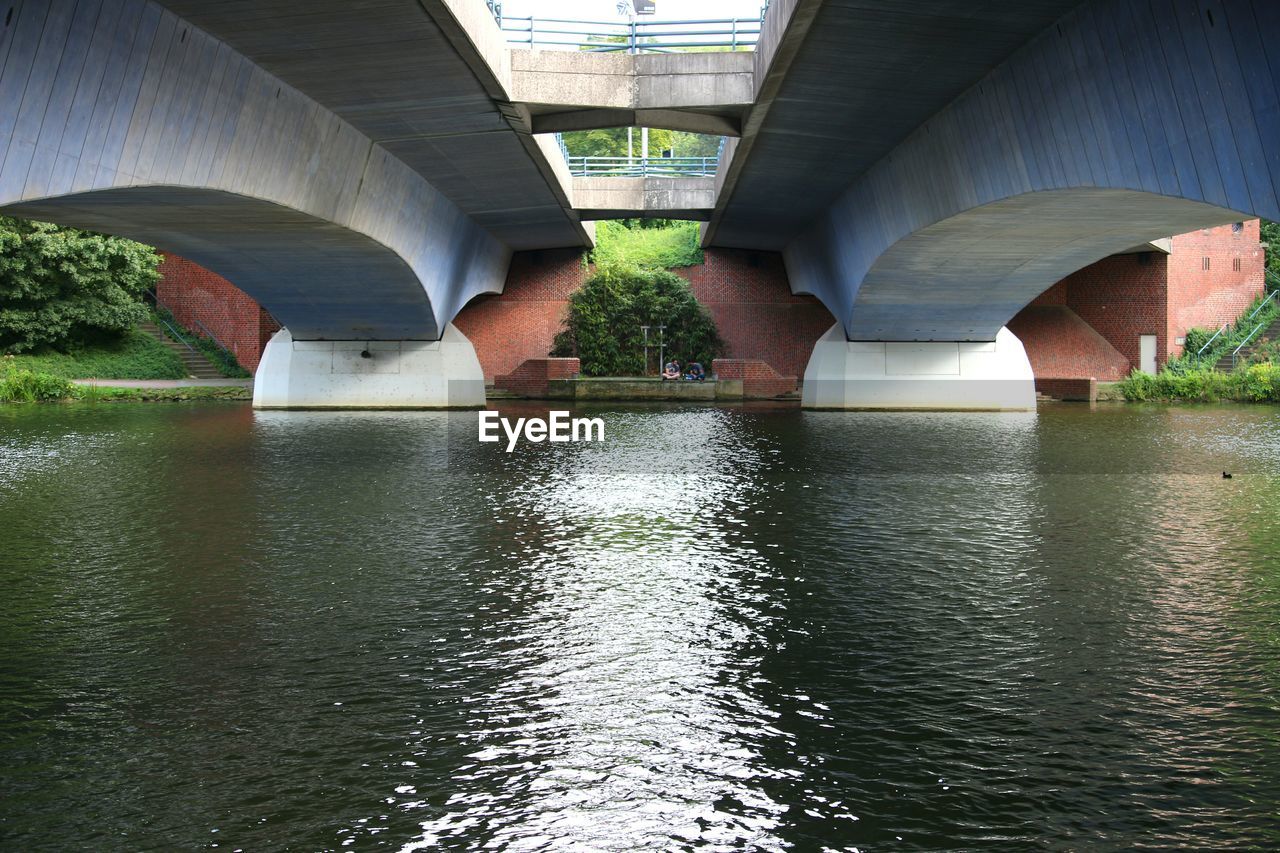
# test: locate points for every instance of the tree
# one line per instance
(612, 142)
(606, 313)
(1271, 238)
(60, 287)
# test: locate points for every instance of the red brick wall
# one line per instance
(518, 324)
(750, 299)
(1123, 297)
(747, 294)
(531, 377)
(193, 294)
(758, 378)
(1209, 298)
(1060, 345)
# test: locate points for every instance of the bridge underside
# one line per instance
(320, 280)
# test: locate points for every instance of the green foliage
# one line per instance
(135, 355)
(20, 385)
(1258, 383)
(612, 142)
(1271, 237)
(1261, 383)
(1227, 341)
(193, 393)
(1196, 338)
(660, 246)
(605, 315)
(60, 287)
(222, 359)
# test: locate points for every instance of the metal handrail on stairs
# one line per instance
(155, 300)
(177, 336)
(1262, 304)
(1235, 353)
(1209, 343)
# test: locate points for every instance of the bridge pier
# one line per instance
(949, 375)
(443, 374)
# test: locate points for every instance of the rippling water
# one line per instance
(721, 628)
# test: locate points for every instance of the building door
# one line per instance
(1147, 353)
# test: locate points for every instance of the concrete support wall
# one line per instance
(369, 374)
(945, 375)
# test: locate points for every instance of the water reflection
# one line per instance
(630, 720)
(747, 629)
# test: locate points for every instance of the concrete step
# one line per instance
(1267, 335)
(195, 363)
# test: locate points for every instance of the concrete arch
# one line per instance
(1125, 121)
(120, 116)
(977, 269)
(318, 279)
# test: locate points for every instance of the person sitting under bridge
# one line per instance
(696, 373)
(672, 370)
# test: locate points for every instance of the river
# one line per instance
(752, 628)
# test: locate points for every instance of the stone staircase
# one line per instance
(198, 367)
(1268, 334)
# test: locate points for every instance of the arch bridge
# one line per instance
(363, 170)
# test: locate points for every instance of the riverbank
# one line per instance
(164, 391)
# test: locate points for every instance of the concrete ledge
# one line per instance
(1068, 390)
(609, 198)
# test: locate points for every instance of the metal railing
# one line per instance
(1235, 353)
(1261, 305)
(642, 167)
(179, 336)
(629, 36)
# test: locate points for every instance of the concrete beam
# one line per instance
(654, 198)
(564, 91)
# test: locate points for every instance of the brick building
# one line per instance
(1131, 311)
(1095, 323)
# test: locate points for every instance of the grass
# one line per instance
(98, 394)
(663, 247)
(220, 358)
(136, 355)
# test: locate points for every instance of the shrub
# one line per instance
(19, 385)
(1138, 387)
(1261, 382)
(60, 287)
(1195, 339)
(605, 316)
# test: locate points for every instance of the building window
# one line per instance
(1237, 227)
(1235, 264)
(1204, 263)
